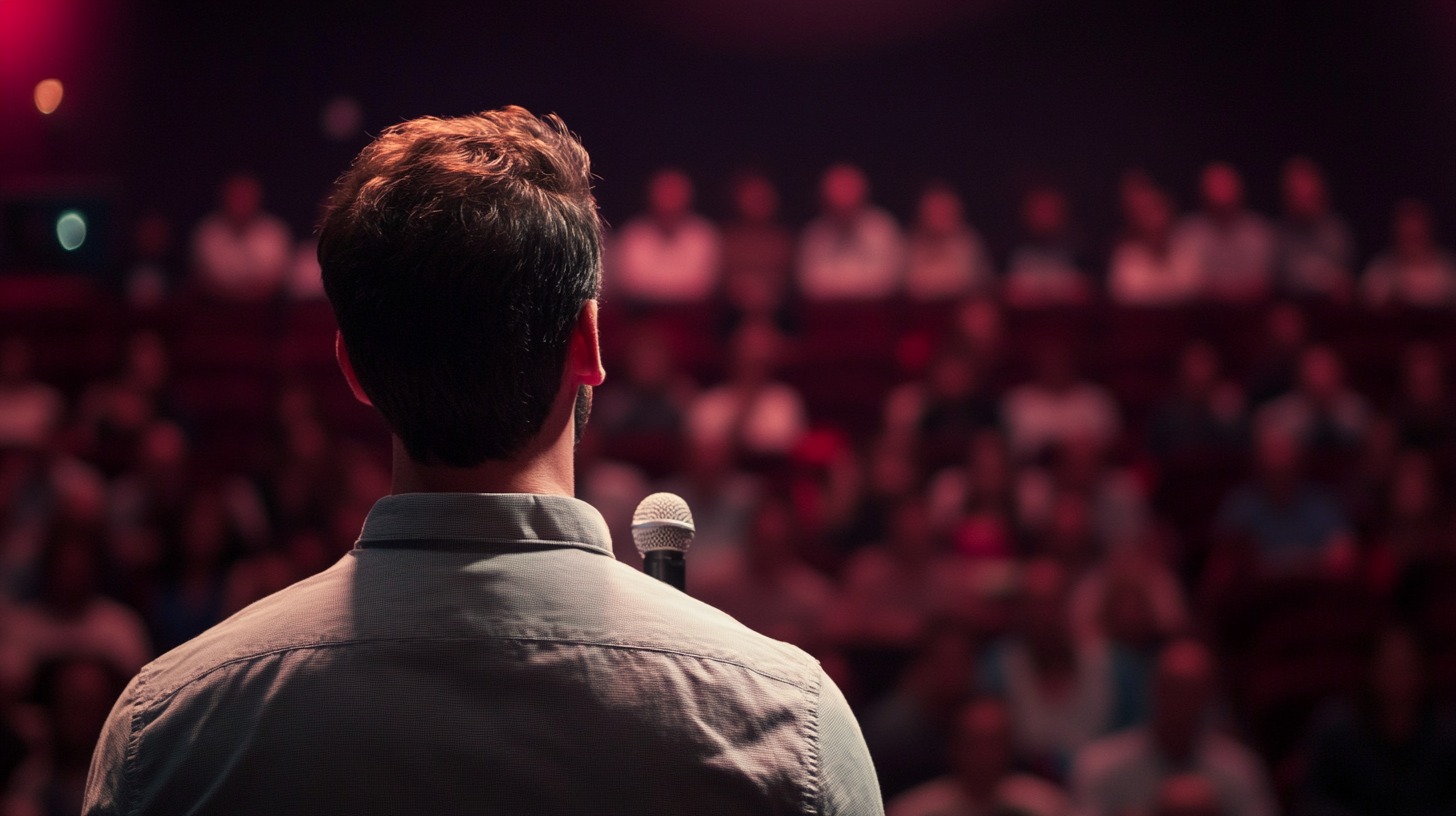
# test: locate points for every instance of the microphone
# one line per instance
(662, 527)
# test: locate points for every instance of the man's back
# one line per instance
(484, 654)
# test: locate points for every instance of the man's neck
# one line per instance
(548, 471)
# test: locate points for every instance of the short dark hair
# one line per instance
(457, 254)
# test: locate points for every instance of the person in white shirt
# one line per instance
(1058, 406)
(854, 251)
(1142, 271)
(1124, 772)
(1415, 271)
(240, 252)
(947, 258)
(752, 412)
(669, 255)
(1230, 248)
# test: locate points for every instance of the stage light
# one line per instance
(48, 94)
(71, 230)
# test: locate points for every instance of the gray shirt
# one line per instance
(482, 653)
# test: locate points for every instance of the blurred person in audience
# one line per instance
(1322, 411)
(769, 588)
(29, 409)
(1230, 248)
(948, 406)
(194, 571)
(669, 255)
(1291, 524)
(1205, 415)
(1366, 489)
(69, 615)
(1131, 599)
(1392, 749)
(1187, 794)
(909, 728)
(1275, 367)
(1057, 405)
(985, 479)
(42, 484)
(1415, 270)
(723, 499)
(947, 258)
(303, 479)
(1125, 771)
(754, 412)
(1062, 691)
(1045, 269)
(159, 483)
(76, 694)
(114, 412)
(1413, 531)
(983, 780)
(1424, 411)
(854, 250)
(1316, 252)
(890, 590)
(978, 325)
(1113, 502)
(758, 256)
(241, 253)
(651, 397)
(1141, 271)
(149, 274)
(887, 472)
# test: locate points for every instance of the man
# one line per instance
(854, 250)
(1124, 771)
(479, 651)
(241, 253)
(1229, 248)
(670, 254)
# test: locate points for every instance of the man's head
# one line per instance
(241, 198)
(461, 257)
(844, 190)
(669, 194)
(1222, 188)
(1305, 195)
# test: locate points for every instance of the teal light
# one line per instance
(71, 230)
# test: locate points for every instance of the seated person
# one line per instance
(1316, 251)
(1415, 270)
(241, 253)
(1045, 269)
(1321, 411)
(982, 778)
(1058, 405)
(1141, 271)
(1124, 771)
(1229, 248)
(947, 258)
(669, 255)
(753, 412)
(854, 251)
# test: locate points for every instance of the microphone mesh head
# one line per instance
(662, 522)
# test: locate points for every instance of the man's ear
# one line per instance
(584, 354)
(347, 366)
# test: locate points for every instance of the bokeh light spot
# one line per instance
(71, 230)
(48, 94)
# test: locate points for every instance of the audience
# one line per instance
(998, 524)
(854, 250)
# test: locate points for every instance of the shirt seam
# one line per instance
(803, 687)
(132, 793)
(814, 796)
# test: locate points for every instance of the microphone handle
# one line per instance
(667, 566)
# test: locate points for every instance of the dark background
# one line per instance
(163, 98)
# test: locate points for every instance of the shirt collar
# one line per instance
(484, 521)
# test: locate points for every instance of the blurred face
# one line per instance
(1150, 213)
(1412, 228)
(1321, 375)
(1182, 692)
(756, 199)
(981, 752)
(242, 199)
(845, 190)
(940, 212)
(1399, 674)
(1198, 368)
(669, 194)
(1044, 212)
(163, 446)
(1223, 190)
(1304, 191)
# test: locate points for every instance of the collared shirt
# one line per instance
(482, 653)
